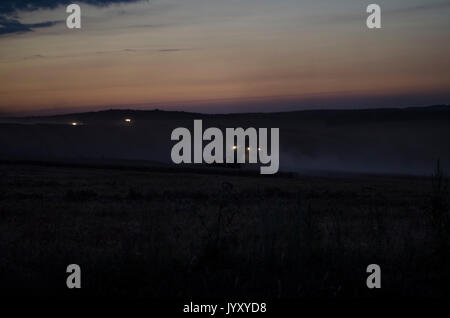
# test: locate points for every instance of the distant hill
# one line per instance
(429, 112)
(405, 141)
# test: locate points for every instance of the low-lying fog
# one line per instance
(407, 141)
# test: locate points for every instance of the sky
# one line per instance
(222, 55)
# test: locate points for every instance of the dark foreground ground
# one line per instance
(178, 234)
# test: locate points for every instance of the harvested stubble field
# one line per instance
(182, 234)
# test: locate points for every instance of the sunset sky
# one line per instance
(222, 55)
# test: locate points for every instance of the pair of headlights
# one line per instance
(127, 120)
(248, 148)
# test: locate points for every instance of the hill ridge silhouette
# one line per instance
(160, 113)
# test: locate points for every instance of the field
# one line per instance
(180, 234)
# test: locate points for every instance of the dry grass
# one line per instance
(182, 235)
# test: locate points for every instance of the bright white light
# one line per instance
(128, 120)
(248, 148)
(74, 124)
(259, 148)
(234, 147)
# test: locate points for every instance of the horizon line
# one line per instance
(229, 113)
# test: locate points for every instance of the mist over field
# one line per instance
(399, 141)
(105, 194)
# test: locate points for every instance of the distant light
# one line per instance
(248, 148)
(74, 124)
(259, 148)
(128, 120)
(234, 147)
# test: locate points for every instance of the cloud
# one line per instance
(35, 56)
(9, 22)
(12, 6)
(423, 7)
(172, 50)
(8, 25)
